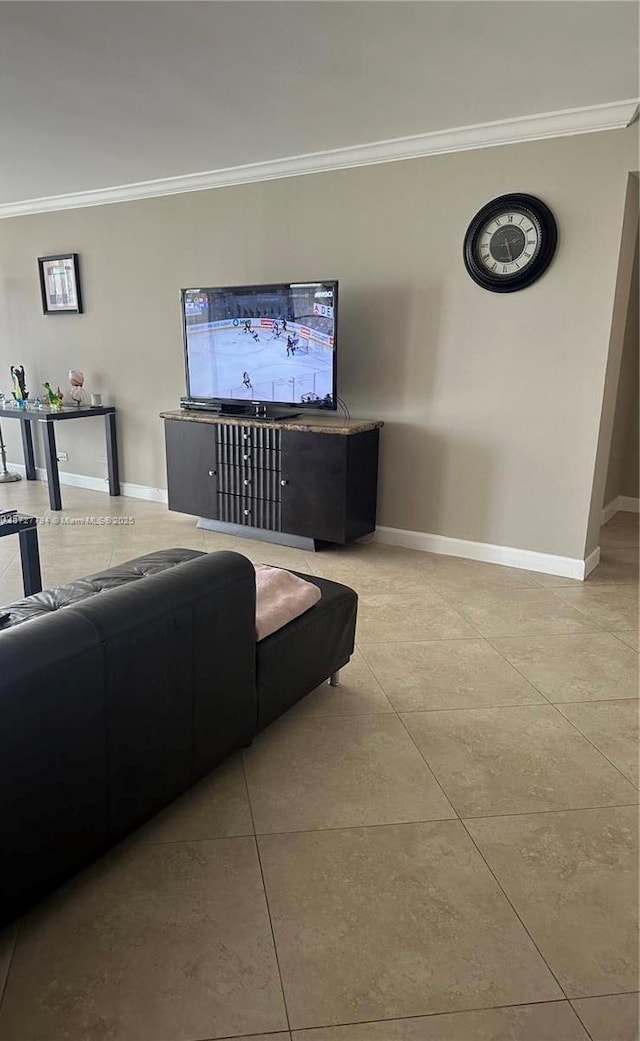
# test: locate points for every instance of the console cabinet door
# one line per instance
(314, 485)
(192, 482)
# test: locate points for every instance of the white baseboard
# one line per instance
(526, 559)
(99, 484)
(592, 561)
(621, 504)
(144, 491)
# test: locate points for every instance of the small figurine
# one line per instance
(20, 392)
(76, 379)
(54, 397)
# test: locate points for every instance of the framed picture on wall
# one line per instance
(60, 284)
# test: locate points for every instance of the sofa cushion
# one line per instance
(72, 593)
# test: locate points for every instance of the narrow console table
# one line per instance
(305, 481)
(47, 418)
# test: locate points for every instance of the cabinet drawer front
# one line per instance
(250, 482)
(256, 513)
(257, 447)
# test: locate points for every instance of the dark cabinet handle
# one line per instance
(284, 483)
(246, 483)
(246, 457)
(212, 473)
(247, 513)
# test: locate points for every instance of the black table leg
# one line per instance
(27, 449)
(30, 560)
(50, 455)
(112, 453)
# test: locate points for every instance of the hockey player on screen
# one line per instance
(256, 337)
(276, 331)
(289, 346)
(246, 379)
(246, 325)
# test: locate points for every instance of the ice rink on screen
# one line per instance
(218, 371)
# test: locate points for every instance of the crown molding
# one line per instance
(592, 119)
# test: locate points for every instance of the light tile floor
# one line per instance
(441, 849)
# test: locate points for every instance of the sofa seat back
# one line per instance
(114, 704)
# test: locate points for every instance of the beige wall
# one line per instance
(623, 475)
(491, 402)
(618, 327)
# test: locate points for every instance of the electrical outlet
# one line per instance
(62, 457)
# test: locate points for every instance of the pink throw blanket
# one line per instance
(280, 597)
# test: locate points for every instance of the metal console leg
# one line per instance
(51, 459)
(112, 454)
(27, 448)
(334, 679)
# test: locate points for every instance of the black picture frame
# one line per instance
(540, 216)
(60, 284)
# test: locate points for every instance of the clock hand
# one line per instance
(506, 243)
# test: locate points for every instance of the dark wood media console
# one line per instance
(313, 479)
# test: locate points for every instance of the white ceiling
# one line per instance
(97, 94)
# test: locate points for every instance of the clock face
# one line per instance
(509, 243)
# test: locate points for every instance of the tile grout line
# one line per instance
(535, 686)
(511, 704)
(534, 813)
(243, 1037)
(599, 750)
(411, 738)
(581, 1021)
(589, 997)
(560, 713)
(430, 1015)
(502, 890)
(604, 628)
(398, 824)
(266, 897)
(400, 713)
(14, 945)
(512, 906)
(565, 809)
(550, 589)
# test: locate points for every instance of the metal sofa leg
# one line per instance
(334, 679)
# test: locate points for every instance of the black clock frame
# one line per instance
(540, 216)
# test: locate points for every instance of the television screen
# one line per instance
(273, 344)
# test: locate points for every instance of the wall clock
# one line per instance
(510, 242)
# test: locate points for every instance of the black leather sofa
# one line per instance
(116, 704)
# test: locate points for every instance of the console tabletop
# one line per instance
(50, 415)
(311, 424)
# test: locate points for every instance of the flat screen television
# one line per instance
(263, 351)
